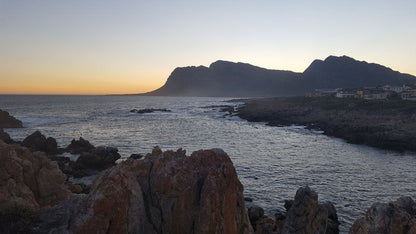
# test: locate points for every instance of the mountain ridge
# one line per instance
(237, 79)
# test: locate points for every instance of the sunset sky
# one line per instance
(107, 46)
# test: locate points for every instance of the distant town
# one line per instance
(405, 92)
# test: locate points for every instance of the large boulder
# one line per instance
(166, 192)
(99, 158)
(79, 146)
(38, 142)
(306, 215)
(29, 179)
(397, 217)
(8, 121)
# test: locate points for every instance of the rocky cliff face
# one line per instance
(29, 179)
(397, 217)
(167, 192)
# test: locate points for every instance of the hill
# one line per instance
(228, 79)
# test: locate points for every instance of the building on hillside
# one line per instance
(409, 95)
(376, 94)
(396, 89)
(346, 93)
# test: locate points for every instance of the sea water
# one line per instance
(271, 162)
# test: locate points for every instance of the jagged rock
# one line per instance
(307, 216)
(388, 218)
(136, 156)
(99, 158)
(166, 192)
(8, 121)
(79, 146)
(38, 142)
(29, 179)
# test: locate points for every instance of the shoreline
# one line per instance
(384, 124)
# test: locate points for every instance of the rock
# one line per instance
(388, 218)
(288, 204)
(99, 158)
(248, 199)
(79, 146)
(166, 192)
(29, 179)
(255, 213)
(143, 111)
(4, 136)
(306, 215)
(38, 142)
(8, 121)
(136, 156)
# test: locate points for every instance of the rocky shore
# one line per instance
(386, 124)
(162, 192)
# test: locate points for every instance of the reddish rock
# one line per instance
(8, 121)
(306, 215)
(166, 192)
(29, 179)
(397, 217)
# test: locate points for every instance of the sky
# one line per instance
(116, 47)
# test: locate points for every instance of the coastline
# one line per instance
(384, 124)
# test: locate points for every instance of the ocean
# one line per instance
(271, 162)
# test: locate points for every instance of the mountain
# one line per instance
(346, 72)
(230, 79)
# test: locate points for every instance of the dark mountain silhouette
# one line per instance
(223, 78)
(230, 79)
(346, 72)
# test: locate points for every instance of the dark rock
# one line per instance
(99, 158)
(307, 216)
(248, 199)
(143, 111)
(255, 213)
(388, 218)
(38, 142)
(280, 215)
(288, 204)
(166, 192)
(4, 136)
(8, 121)
(79, 146)
(136, 156)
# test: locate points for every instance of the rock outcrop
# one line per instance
(397, 217)
(306, 215)
(38, 142)
(79, 146)
(166, 192)
(29, 179)
(8, 121)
